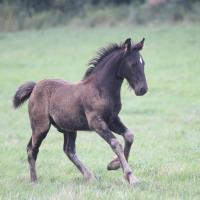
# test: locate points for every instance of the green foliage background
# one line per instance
(40, 14)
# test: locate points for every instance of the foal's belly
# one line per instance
(68, 121)
(67, 124)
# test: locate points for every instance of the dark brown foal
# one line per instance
(90, 105)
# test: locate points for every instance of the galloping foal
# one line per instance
(93, 104)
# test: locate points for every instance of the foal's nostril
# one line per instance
(143, 91)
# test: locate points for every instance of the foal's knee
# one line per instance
(71, 155)
(116, 146)
(128, 136)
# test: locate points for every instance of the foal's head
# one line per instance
(132, 67)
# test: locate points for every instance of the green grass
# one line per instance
(166, 122)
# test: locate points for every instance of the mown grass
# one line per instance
(166, 123)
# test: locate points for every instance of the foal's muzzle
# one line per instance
(141, 91)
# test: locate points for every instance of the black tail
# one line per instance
(23, 93)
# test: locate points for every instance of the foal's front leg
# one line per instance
(102, 129)
(69, 148)
(118, 127)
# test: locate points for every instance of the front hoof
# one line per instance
(132, 180)
(114, 164)
(90, 177)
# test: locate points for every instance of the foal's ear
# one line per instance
(127, 45)
(139, 46)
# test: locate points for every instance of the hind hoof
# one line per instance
(114, 164)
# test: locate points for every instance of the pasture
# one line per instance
(165, 155)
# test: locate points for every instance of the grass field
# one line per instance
(166, 121)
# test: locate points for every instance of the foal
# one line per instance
(93, 104)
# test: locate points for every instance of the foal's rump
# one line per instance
(25, 90)
(39, 103)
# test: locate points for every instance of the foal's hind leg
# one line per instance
(118, 127)
(69, 148)
(33, 148)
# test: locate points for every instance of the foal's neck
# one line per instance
(107, 77)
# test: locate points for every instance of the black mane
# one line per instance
(101, 54)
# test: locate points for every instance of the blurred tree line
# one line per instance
(72, 5)
(63, 5)
(36, 14)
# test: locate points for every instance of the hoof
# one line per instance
(90, 177)
(132, 180)
(33, 182)
(114, 164)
